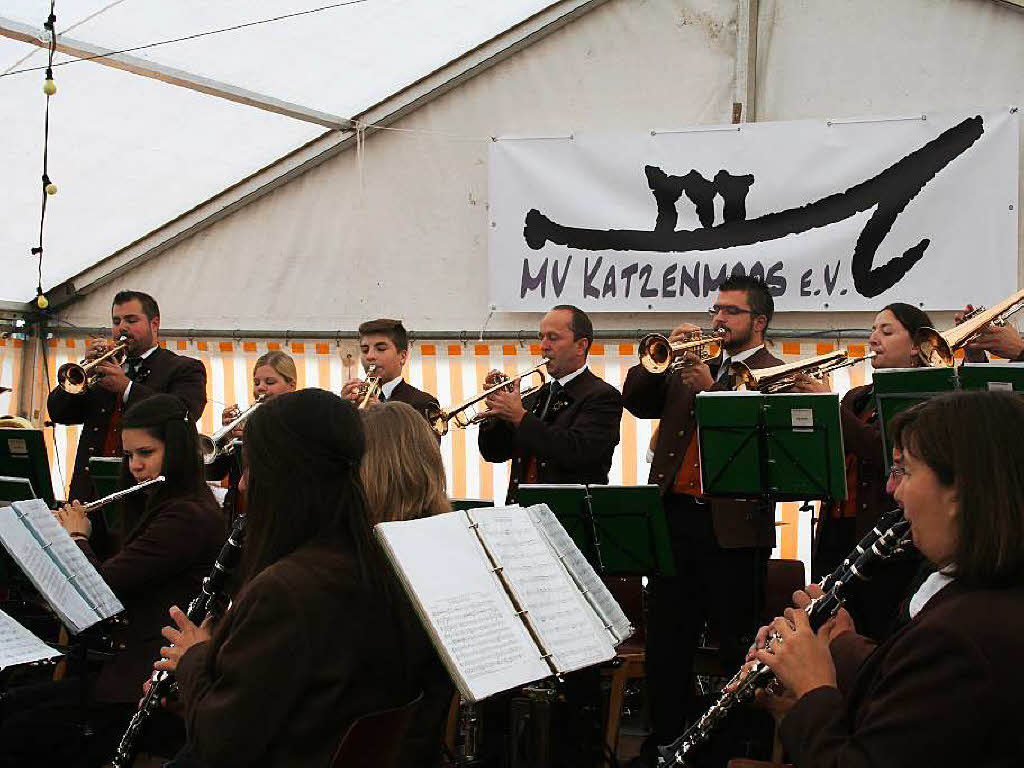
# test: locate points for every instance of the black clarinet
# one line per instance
(206, 603)
(882, 542)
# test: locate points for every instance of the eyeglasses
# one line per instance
(731, 309)
(897, 471)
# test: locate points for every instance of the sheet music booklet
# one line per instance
(55, 565)
(505, 595)
(19, 646)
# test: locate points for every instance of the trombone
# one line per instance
(212, 447)
(74, 378)
(782, 377)
(370, 388)
(936, 349)
(440, 420)
(658, 354)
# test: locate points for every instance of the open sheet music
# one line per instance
(505, 596)
(55, 565)
(19, 646)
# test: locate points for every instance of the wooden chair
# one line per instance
(375, 740)
(630, 659)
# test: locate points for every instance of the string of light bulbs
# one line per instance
(49, 188)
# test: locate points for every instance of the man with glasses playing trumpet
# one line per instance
(564, 432)
(721, 546)
(111, 385)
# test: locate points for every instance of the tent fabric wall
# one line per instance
(404, 232)
(10, 373)
(454, 372)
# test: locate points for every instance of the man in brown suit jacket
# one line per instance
(384, 344)
(721, 546)
(148, 369)
(566, 432)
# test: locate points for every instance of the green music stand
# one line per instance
(105, 472)
(897, 389)
(631, 535)
(620, 529)
(23, 454)
(782, 447)
(15, 489)
(993, 377)
(461, 505)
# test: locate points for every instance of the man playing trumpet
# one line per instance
(566, 431)
(721, 546)
(147, 370)
(384, 344)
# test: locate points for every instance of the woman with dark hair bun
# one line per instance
(945, 689)
(318, 634)
(173, 533)
(843, 523)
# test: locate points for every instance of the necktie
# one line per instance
(723, 369)
(553, 389)
(133, 365)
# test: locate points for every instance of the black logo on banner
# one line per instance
(889, 193)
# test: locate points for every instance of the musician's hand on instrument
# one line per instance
(805, 383)
(507, 406)
(776, 704)
(493, 378)
(799, 657)
(172, 705)
(683, 332)
(229, 414)
(695, 374)
(959, 316)
(351, 389)
(111, 377)
(74, 519)
(97, 347)
(183, 636)
(1004, 341)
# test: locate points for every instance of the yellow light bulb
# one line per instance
(42, 302)
(49, 87)
(50, 189)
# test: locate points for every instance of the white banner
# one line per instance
(835, 215)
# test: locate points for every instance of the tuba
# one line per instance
(658, 354)
(782, 377)
(440, 419)
(214, 446)
(74, 378)
(936, 349)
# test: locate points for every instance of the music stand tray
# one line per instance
(461, 505)
(783, 447)
(23, 454)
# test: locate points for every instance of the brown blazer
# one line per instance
(417, 398)
(664, 396)
(161, 372)
(574, 443)
(161, 564)
(943, 692)
(303, 652)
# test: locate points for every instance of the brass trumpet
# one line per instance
(369, 390)
(936, 349)
(440, 420)
(781, 377)
(658, 354)
(74, 378)
(214, 446)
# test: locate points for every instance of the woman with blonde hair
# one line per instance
(402, 470)
(403, 479)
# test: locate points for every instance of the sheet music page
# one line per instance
(583, 573)
(19, 646)
(93, 588)
(463, 605)
(568, 628)
(43, 572)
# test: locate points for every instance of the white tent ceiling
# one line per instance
(129, 153)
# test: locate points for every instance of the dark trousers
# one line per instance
(723, 586)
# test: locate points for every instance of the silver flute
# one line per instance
(118, 495)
